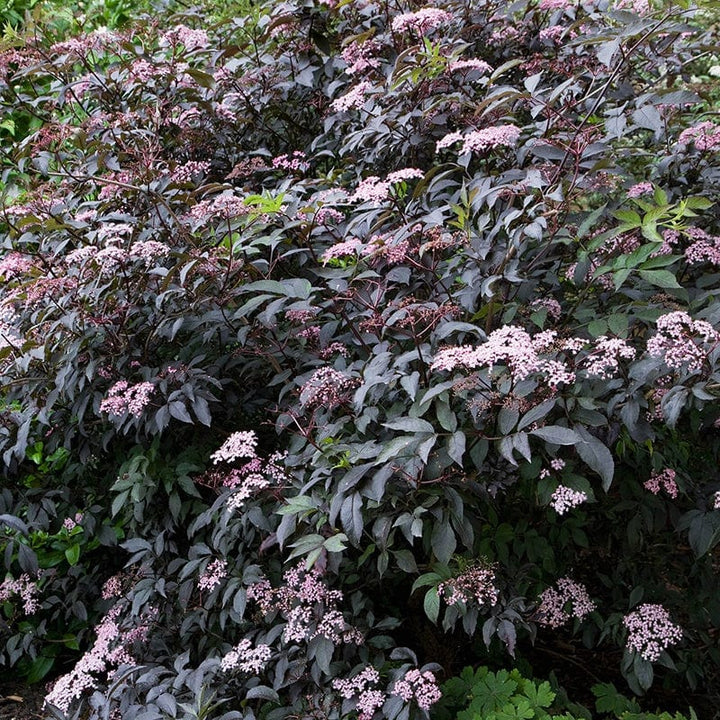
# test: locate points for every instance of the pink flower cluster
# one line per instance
(475, 586)
(213, 575)
(482, 140)
(72, 523)
(187, 171)
(111, 648)
(225, 206)
(326, 388)
(423, 21)
(704, 135)
(565, 498)
(641, 7)
(650, 631)
(239, 445)
(369, 698)
(510, 346)
(568, 600)
(705, 248)
(361, 56)
(183, 35)
(149, 251)
(341, 250)
(675, 341)
(253, 476)
(15, 265)
(643, 188)
(25, 588)
(556, 4)
(246, 658)
(295, 161)
(470, 64)
(604, 359)
(404, 174)
(419, 686)
(307, 604)
(125, 398)
(371, 189)
(716, 500)
(664, 480)
(354, 98)
(550, 304)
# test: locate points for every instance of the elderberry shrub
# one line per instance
(383, 337)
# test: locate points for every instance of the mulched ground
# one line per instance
(19, 701)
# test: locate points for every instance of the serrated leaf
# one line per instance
(659, 278)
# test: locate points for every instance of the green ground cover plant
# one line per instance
(347, 344)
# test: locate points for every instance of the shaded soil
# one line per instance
(19, 701)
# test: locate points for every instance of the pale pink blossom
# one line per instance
(705, 136)
(183, 35)
(679, 340)
(340, 250)
(664, 480)
(125, 398)
(246, 658)
(213, 575)
(475, 586)
(419, 686)
(470, 64)
(239, 445)
(650, 631)
(604, 358)
(483, 140)
(643, 188)
(354, 98)
(565, 498)
(569, 599)
(371, 189)
(326, 388)
(423, 21)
